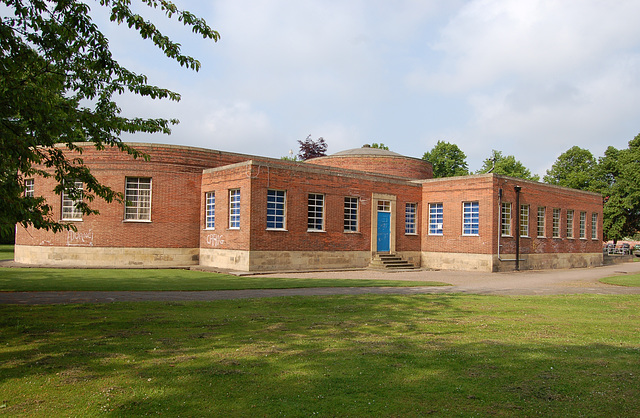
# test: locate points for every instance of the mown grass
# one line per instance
(6, 252)
(632, 280)
(39, 279)
(409, 356)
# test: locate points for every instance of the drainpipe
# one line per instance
(517, 189)
(499, 221)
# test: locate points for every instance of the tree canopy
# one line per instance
(576, 168)
(506, 165)
(310, 148)
(447, 160)
(58, 80)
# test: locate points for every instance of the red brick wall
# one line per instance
(298, 181)
(406, 167)
(451, 192)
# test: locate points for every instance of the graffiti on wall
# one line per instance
(215, 240)
(80, 239)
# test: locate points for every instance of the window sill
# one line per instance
(470, 235)
(352, 232)
(209, 229)
(138, 221)
(278, 229)
(435, 235)
(316, 230)
(71, 220)
(233, 229)
(412, 234)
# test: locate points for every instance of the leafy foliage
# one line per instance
(506, 165)
(57, 85)
(447, 159)
(575, 168)
(310, 148)
(379, 146)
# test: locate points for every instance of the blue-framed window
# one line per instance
(234, 208)
(210, 218)
(410, 218)
(276, 209)
(436, 218)
(471, 218)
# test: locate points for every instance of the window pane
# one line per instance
(541, 221)
(569, 224)
(211, 210)
(471, 224)
(275, 209)
(410, 218)
(506, 219)
(435, 218)
(69, 208)
(556, 223)
(351, 214)
(234, 208)
(594, 226)
(524, 220)
(315, 220)
(138, 198)
(28, 188)
(583, 225)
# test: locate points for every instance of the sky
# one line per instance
(530, 78)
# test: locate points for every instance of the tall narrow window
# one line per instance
(556, 223)
(70, 211)
(234, 209)
(28, 188)
(435, 218)
(569, 223)
(541, 221)
(410, 218)
(275, 209)
(594, 226)
(350, 214)
(137, 194)
(524, 220)
(210, 210)
(471, 219)
(583, 225)
(505, 219)
(315, 218)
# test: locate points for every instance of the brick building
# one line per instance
(190, 206)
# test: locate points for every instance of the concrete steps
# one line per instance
(390, 262)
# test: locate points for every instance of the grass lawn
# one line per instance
(632, 280)
(36, 279)
(409, 356)
(6, 252)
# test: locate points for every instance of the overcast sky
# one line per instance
(529, 78)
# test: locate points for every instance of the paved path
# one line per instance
(547, 282)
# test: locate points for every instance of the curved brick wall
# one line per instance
(400, 166)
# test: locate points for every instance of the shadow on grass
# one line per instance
(362, 356)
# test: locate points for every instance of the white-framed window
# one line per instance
(234, 209)
(556, 223)
(505, 219)
(351, 214)
(524, 220)
(541, 221)
(410, 218)
(594, 226)
(384, 206)
(436, 218)
(70, 211)
(28, 188)
(315, 218)
(137, 194)
(276, 200)
(470, 218)
(569, 223)
(583, 225)
(210, 210)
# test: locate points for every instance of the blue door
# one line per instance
(384, 231)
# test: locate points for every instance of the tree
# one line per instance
(310, 148)
(379, 146)
(57, 85)
(621, 170)
(507, 166)
(575, 168)
(447, 160)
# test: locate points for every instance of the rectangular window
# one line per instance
(210, 221)
(28, 188)
(410, 218)
(556, 223)
(137, 194)
(541, 221)
(234, 209)
(350, 214)
(315, 219)
(583, 225)
(384, 206)
(275, 209)
(569, 223)
(594, 226)
(524, 220)
(505, 219)
(436, 218)
(70, 211)
(471, 219)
